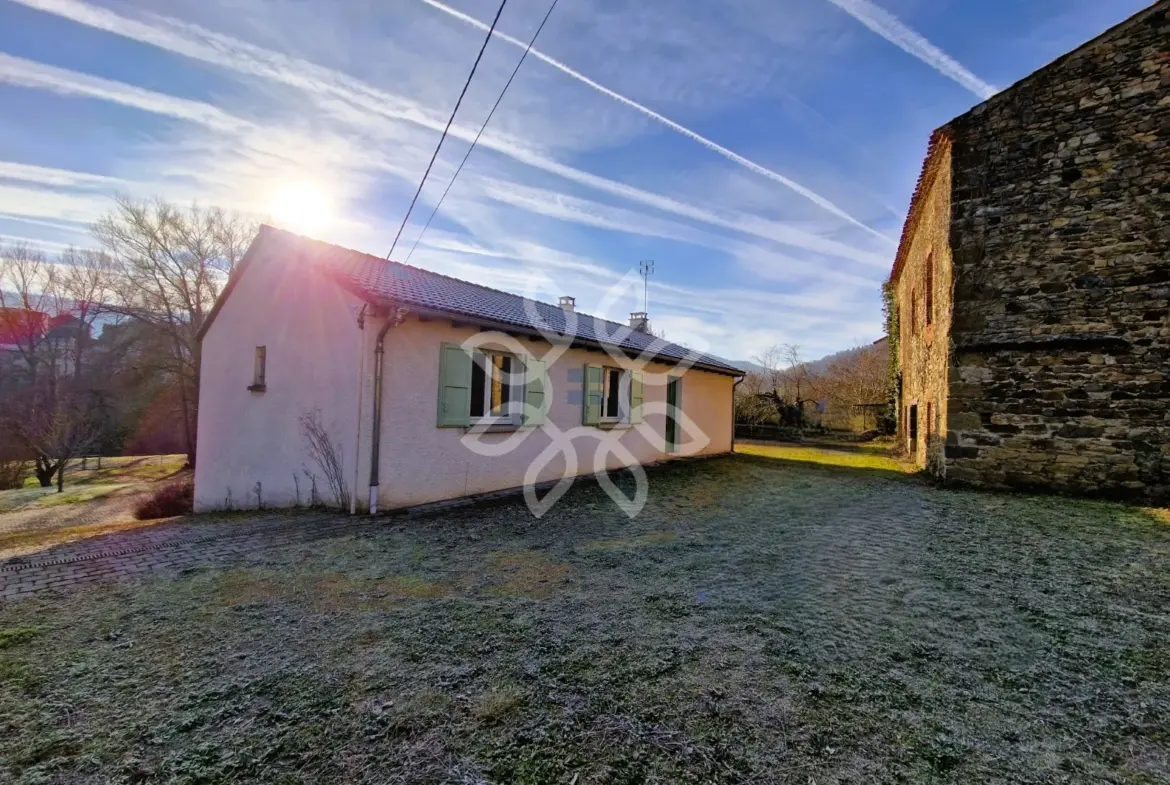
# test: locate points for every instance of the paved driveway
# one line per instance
(221, 541)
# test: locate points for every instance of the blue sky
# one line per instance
(762, 152)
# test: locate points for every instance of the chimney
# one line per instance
(569, 303)
(640, 322)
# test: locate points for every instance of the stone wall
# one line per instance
(1060, 233)
(922, 341)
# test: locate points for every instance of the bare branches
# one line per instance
(327, 455)
(52, 426)
(170, 265)
(30, 294)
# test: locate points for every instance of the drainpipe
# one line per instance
(361, 377)
(394, 319)
(738, 382)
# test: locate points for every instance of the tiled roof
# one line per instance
(935, 154)
(19, 324)
(378, 278)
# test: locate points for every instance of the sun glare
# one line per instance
(301, 207)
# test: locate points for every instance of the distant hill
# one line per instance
(747, 365)
(813, 366)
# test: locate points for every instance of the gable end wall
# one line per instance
(1059, 235)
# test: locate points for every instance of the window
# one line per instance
(611, 396)
(914, 312)
(929, 289)
(492, 385)
(913, 428)
(493, 388)
(612, 393)
(259, 370)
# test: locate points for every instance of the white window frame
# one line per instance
(624, 391)
(515, 406)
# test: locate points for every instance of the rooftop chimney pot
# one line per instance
(569, 303)
(639, 321)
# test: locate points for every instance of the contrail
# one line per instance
(889, 27)
(29, 73)
(812, 196)
(205, 46)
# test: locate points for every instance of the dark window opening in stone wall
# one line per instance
(914, 312)
(913, 428)
(929, 289)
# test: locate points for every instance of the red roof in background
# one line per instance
(21, 324)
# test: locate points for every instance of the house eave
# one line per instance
(528, 331)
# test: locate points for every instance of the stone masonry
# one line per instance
(924, 310)
(1058, 300)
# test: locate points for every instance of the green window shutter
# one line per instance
(635, 397)
(594, 389)
(534, 396)
(454, 386)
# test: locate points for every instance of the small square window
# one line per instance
(259, 370)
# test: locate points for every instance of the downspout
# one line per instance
(357, 445)
(737, 383)
(394, 319)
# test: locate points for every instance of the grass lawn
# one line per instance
(85, 482)
(767, 618)
(861, 456)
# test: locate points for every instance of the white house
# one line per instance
(427, 387)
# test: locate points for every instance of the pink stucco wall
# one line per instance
(422, 463)
(309, 327)
(308, 324)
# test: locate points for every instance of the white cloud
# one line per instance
(46, 245)
(44, 203)
(28, 73)
(889, 27)
(807, 193)
(11, 170)
(355, 136)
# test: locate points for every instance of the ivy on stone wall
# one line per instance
(890, 311)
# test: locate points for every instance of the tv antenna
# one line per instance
(645, 268)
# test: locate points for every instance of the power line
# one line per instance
(467, 155)
(450, 120)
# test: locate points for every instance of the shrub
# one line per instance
(176, 498)
(12, 474)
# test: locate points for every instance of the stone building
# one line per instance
(1032, 280)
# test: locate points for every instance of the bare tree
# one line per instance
(86, 282)
(787, 379)
(855, 384)
(752, 402)
(30, 294)
(52, 425)
(326, 453)
(171, 264)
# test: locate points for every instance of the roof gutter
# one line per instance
(394, 318)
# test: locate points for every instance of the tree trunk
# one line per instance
(45, 474)
(188, 430)
(61, 475)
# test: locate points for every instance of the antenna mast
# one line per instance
(645, 268)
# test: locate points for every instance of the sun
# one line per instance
(301, 206)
